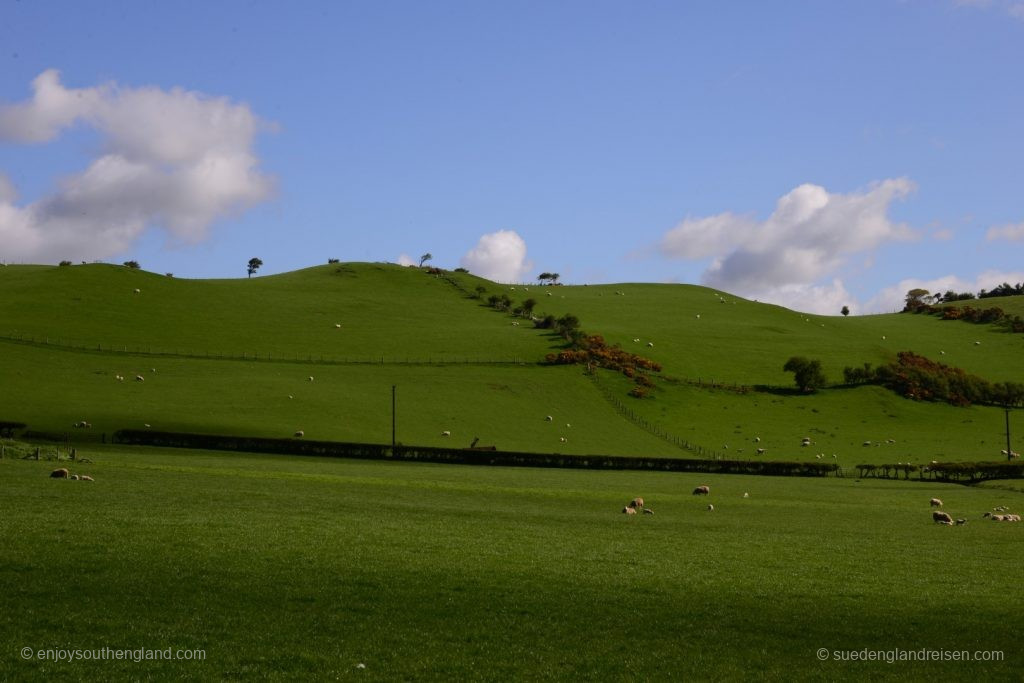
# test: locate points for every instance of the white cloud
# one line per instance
(893, 298)
(785, 258)
(1009, 232)
(499, 256)
(406, 260)
(943, 235)
(174, 159)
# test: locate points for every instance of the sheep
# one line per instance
(337, 326)
(636, 502)
(757, 439)
(568, 425)
(961, 522)
(866, 443)
(62, 473)
(760, 451)
(85, 477)
(628, 510)
(711, 508)
(637, 340)
(299, 434)
(311, 378)
(515, 324)
(548, 418)
(977, 343)
(119, 378)
(998, 518)
(140, 378)
(936, 503)
(698, 316)
(746, 495)
(562, 439)
(1011, 518)
(941, 517)
(138, 291)
(650, 343)
(446, 433)
(73, 477)
(702, 490)
(648, 511)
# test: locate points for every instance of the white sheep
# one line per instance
(562, 439)
(446, 433)
(299, 434)
(140, 378)
(548, 418)
(711, 507)
(311, 378)
(337, 326)
(138, 291)
(650, 343)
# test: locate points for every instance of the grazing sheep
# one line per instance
(760, 451)
(446, 433)
(548, 418)
(936, 503)
(562, 439)
(337, 325)
(941, 517)
(977, 343)
(702, 490)
(86, 477)
(1012, 518)
(757, 439)
(119, 378)
(628, 510)
(998, 518)
(650, 343)
(648, 511)
(138, 291)
(140, 378)
(311, 378)
(961, 522)
(62, 473)
(636, 503)
(146, 425)
(711, 508)
(568, 425)
(300, 434)
(73, 477)
(637, 339)
(746, 495)
(866, 443)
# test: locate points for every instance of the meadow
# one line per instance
(235, 356)
(284, 567)
(305, 568)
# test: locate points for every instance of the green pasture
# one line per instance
(304, 568)
(738, 341)
(398, 325)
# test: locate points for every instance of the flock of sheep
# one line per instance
(637, 504)
(63, 473)
(998, 514)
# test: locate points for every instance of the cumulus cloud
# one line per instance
(499, 256)
(784, 259)
(1010, 233)
(406, 260)
(174, 159)
(893, 298)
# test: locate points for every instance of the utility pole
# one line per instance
(393, 419)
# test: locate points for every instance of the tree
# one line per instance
(567, 326)
(525, 309)
(254, 265)
(845, 311)
(544, 276)
(132, 264)
(916, 299)
(807, 373)
(426, 257)
(480, 291)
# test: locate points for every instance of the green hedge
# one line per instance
(463, 456)
(947, 471)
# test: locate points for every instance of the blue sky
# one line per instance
(813, 154)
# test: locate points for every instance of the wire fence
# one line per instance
(254, 356)
(651, 427)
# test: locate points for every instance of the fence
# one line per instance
(65, 344)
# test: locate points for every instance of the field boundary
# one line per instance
(366, 451)
(62, 344)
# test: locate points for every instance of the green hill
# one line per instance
(236, 356)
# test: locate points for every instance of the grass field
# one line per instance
(419, 332)
(304, 568)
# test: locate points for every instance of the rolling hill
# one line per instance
(235, 356)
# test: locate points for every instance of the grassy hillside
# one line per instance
(390, 315)
(305, 568)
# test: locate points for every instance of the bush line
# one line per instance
(336, 449)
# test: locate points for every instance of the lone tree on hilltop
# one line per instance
(845, 311)
(254, 265)
(132, 264)
(426, 257)
(807, 373)
(551, 278)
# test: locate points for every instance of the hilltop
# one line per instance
(235, 356)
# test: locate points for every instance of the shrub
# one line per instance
(65, 263)
(132, 264)
(806, 372)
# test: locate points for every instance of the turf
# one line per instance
(305, 568)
